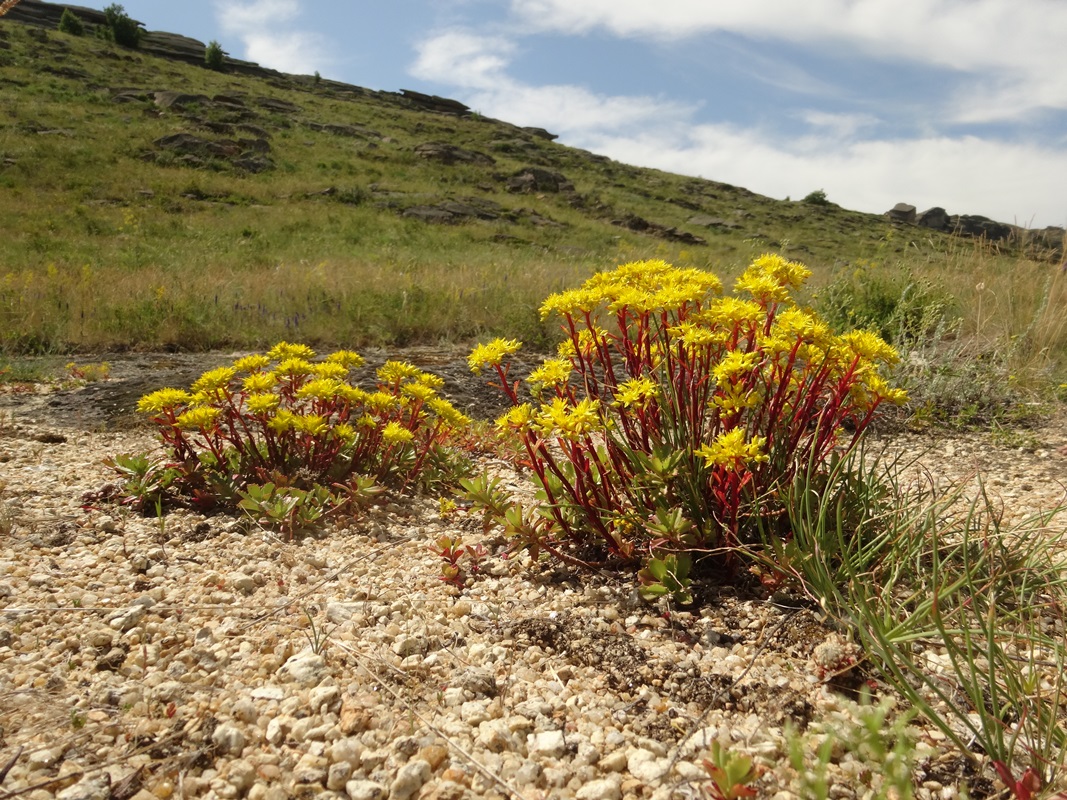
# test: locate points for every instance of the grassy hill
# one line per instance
(150, 203)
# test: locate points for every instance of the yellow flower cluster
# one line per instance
(637, 392)
(731, 450)
(492, 354)
(638, 287)
(560, 418)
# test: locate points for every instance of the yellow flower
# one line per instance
(492, 354)
(252, 363)
(197, 418)
(791, 274)
(346, 358)
(262, 403)
(731, 311)
(380, 401)
(319, 389)
(283, 421)
(396, 371)
(731, 450)
(870, 346)
(162, 400)
(394, 433)
(310, 423)
(285, 350)
(419, 391)
(329, 369)
(795, 323)
(432, 381)
(448, 413)
(518, 417)
(293, 367)
(763, 287)
(572, 302)
(731, 398)
(344, 432)
(552, 372)
(635, 392)
(733, 364)
(259, 382)
(352, 394)
(214, 379)
(569, 422)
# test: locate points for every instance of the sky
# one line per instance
(960, 104)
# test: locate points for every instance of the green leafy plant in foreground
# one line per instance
(282, 435)
(673, 417)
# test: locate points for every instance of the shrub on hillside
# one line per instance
(214, 57)
(673, 419)
(71, 24)
(121, 29)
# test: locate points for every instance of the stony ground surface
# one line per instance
(204, 657)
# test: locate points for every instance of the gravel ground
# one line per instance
(202, 657)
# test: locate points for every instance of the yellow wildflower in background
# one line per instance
(448, 413)
(344, 432)
(252, 363)
(380, 401)
(518, 417)
(790, 274)
(262, 403)
(870, 346)
(418, 391)
(319, 389)
(197, 418)
(214, 380)
(731, 450)
(396, 371)
(492, 354)
(730, 311)
(162, 400)
(313, 424)
(259, 382)
(572, 302)
(636, 392)
(552, 372)
(735, 363)
(395, 433)
(285, 350)
(569, 422)
(293, 367)
(346, 358)
(329, 369)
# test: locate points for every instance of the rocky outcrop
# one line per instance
(431, 102)
(638, 224)
(451, 154)
(902, 212)
(538, 179)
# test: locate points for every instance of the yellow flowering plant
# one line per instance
(673, 415)
(297, 423)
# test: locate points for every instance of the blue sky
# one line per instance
(953, 103)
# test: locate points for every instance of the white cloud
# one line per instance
(1009, 182)
(479, 64)
(264, 28)
(1013, 51)
(837, 152)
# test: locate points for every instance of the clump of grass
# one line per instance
(960, 611)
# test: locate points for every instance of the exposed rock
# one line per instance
(979, 227)
(538, 179)
(187, 143)
(706, 221)
(171, 99)
(277, 106)
(450, 154)
(541, 133)
(640, 225)
(902, 212)
(936, 218)
(431, 102)
(351, 131)
(253, 164)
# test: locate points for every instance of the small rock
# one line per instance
(365, 790)
(338, 775)
(45, 758)
(305, 668)
(242, 775)
(92, 787)
(601, 789)
(405, 645)
(127, 619)
(323, 696)
(546, 743)
(410, 779)
(646, 766)
(229, 739)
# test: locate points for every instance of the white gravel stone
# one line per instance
(365, 790)
(601, 789)
(410, 779)
(305, 668)
(546, 743)
(91, 787)
(229, 739)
